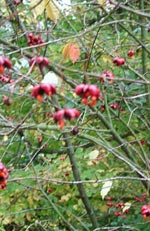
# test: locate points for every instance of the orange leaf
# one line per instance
(74, 52)
(65, 51)
(1, 69)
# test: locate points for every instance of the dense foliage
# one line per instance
(74, 115)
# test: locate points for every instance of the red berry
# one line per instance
(40, 139)
(102, 107)
(131, 53)
(75, 131)
(67, 174)
(41, 61)
(30, 35)
(138, 199)
(50, 190)
(109, 204)
(107, 75)
(45, 61)
(89, 93)
(117, 205)
(4, 62)
(6, 100)
(17, 2)
(68, 114)
(59, 115)
(44, 88)
(117, 214)
(121, 204)
(145, 211)
(114, 106)
(126, 211)
(119, 61)
(7, 63)
(81, 89)
(144, 195)
(6, 79)
(71, 113)
(3, 176)
(108, 198)
(143, 142)
(34, 39)
(94, 91)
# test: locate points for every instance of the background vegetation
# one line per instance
(94, 173)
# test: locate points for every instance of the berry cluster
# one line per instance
(145, 211)
(17, 2)
(3, 176)
(39, 61)
(143, 142)
(89, 93)
(68, 114)
(107, 75)
(114, 106)
(44, 88)
(5, 79)
(4, 63)
(6, 100)
(140, 199)
(34, 39)
(119, 61)
(118, 208)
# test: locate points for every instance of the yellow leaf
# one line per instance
(148, 67)
(65, 51)
(93, 155)
(126, 207)
(37, 7)
(107, 59)
(102, 2)
(103, 208)
(5, 138)
(95, 185)
(7, 220)
(51, 10)
(106, 188)
(3, 3)
(65, 198)
(28, 217)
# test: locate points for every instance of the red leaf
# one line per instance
(74, 52)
